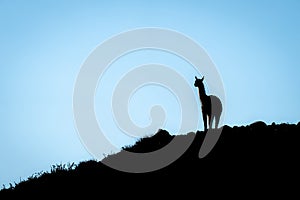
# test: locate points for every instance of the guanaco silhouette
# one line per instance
(211, 105)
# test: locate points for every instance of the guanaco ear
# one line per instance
(202, 78)
(196, 78)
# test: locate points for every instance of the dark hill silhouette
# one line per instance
(253, 156)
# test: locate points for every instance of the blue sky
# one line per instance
(255, 46)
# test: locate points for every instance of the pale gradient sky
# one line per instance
(255, 46)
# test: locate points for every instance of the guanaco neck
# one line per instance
(202, 94)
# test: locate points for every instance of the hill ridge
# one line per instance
(257, 146)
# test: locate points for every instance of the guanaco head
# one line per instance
(199, 82)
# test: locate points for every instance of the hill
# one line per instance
(256, 155)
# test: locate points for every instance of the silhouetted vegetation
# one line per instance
(265, 155)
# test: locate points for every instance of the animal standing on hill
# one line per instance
(211, 105)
